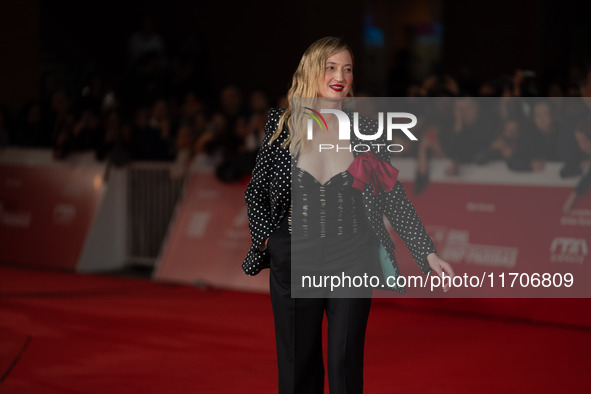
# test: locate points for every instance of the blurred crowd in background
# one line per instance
(166, 110)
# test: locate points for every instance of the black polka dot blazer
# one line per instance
(268, 199)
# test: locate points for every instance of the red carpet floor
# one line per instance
(68, 333)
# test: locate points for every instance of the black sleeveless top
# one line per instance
(331, 209)
(328, 224)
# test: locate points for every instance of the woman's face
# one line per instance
(338, 76)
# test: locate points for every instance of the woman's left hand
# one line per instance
(440, 266)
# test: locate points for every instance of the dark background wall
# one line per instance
(20, 50)
(490, 38)
(258, 44)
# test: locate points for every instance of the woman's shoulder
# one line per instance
(275, 115)
(278, 111)
(362, 119)
(273, 122)
(364, 123)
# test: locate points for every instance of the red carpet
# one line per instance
(68, 333)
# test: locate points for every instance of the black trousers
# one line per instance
(298, 331)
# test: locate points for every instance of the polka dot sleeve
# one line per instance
(257, 193)
(406, 222)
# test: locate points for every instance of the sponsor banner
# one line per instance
(517, 237)
(46, 212)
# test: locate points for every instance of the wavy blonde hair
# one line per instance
(304, 88)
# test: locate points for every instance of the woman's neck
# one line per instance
(330, 103)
